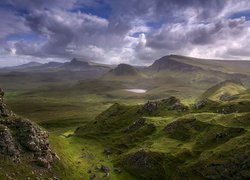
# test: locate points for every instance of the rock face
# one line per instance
(150, 106)
(200, 104)
(145, 165)
(8, 145)
(21, 138)
(170, 103)
(136, 125)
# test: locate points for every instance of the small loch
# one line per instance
(140, 91)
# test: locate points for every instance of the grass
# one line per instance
(226, 88)
(62, 107)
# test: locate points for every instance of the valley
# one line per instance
(179, 118)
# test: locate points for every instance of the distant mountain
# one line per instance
(124, 70)
(76, 64)
(73, 70)
(73, 65)
(226, 66)
(24, 66)
(169, 63)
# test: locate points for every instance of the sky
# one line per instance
(122, 31)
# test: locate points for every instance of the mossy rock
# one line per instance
(145, 165)
(185, 129)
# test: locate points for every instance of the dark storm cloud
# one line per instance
(130, 31)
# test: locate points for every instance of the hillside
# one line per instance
(167, 139)
(224, 90)
(226, 66)
(25, 147)
(169, 63)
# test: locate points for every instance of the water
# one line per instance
(136, 90)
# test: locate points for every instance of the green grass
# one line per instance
(62, 107)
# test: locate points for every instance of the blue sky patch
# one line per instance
(240, 14)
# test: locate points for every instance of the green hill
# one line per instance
(166, 139)
(224, 90)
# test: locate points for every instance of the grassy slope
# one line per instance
(230, 66)
(62, 106)
(191, 143)
(227, 88)
(63, 110)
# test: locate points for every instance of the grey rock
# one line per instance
(104, 169)
(200, 104)
(107, 151)
(150, 106)
(136, 125)
(8, 145)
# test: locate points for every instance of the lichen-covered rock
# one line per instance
(171, 100)
(8, 145)
(30, 138)
(20, 137)
(107, 151)
(145, 165)
(170, 104)
(200, 104)
(136, 125)
(4, 112)
(150, 106)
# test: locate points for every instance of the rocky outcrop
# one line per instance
(201, 103)
(21, 138)
(150, 106)
(145, 165)
(136, 125)
(171, 103)
(8, 145)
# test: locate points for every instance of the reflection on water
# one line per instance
(136, 90)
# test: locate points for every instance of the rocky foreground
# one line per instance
(22, 140)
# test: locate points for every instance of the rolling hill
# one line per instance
(165, 139)
(224, 90)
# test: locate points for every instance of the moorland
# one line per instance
(190, 120)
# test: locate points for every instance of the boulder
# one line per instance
(107, 151)
(22, 138)
(200, 104)
(145, 165)
(150, 106)
(135, 125)
(8, 145)
(171, 101)
(104, 169)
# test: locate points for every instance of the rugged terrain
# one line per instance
(167, 140)
(24, 146)
(192, 121)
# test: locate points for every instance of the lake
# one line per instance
(136, 90)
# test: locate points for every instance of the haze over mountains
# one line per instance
(171, 62)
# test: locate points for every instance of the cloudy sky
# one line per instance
(114, 31)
